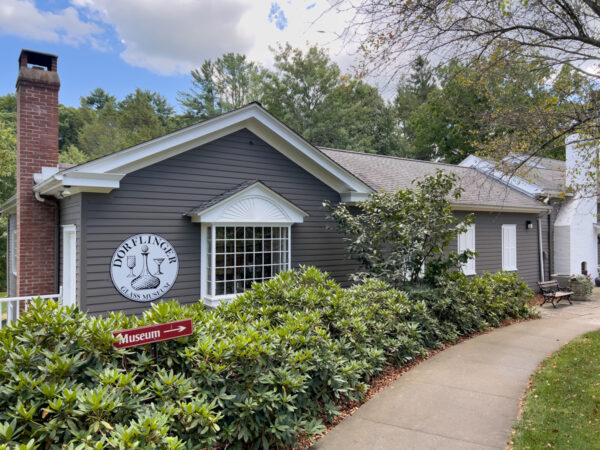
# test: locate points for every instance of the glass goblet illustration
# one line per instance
(158, 262)
(131, 265)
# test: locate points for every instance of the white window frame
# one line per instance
(466, 241)
(69, 272)
(509, 247)
(208, 289)
(13, 251)
(253, 206)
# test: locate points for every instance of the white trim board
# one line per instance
(104, 174)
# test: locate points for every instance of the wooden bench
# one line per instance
(551, 292)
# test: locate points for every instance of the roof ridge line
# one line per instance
(392, 157)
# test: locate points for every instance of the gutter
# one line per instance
(500, 208)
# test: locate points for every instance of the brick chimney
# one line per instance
(37, 147)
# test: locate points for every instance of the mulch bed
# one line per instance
(390, 374)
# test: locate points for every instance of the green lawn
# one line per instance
(562, 407)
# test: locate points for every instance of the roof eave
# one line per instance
(9, 207)
(500, 208)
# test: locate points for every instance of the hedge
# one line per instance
(262, 371)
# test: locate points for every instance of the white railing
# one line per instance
(12, 307)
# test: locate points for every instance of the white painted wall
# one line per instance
(575, 238)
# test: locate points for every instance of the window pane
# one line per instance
(276, 245)
(230, 233)
(220, 260)
(258, 246)
(239, 259)
(239, 273)
(220, 232)
(276, 232)
(249, 232)
(220, 247)
(239, 287)
(249, 259)
(239, 245)
(247, 284)
(267, 233)
(229, 246)
(239, 232)
(257, 232)
(267, 271)
(220, 274)
(276, 258)
(249, 246)
(258, 259)
(249, 273)
(267, 246)
(229, 288)
(267, 258)
(258, 272)
(220, 289)
(229, 260)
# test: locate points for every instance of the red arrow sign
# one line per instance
(153, 333)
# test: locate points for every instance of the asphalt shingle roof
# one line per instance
(391, 173)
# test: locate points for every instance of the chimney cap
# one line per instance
(36, 58)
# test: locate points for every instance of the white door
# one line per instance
(69, 275)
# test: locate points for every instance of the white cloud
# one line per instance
(174, 36)
(21, 18)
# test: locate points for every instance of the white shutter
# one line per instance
(466, 241)
(509, 247)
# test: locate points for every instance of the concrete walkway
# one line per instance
(466, 397)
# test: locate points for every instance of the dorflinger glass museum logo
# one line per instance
(144, 267)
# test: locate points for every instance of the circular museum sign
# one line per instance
(144, 267)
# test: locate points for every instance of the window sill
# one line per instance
(509, 269)
(217, 300)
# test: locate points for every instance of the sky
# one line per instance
(120, 45)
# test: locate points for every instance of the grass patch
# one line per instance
(562, 406)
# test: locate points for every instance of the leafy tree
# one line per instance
(220, 86)
(73, 155)
(553, 35)
(412, 91)
(70, 122)
(98, 99)
(398, 237)
(296, 91)
(355, 117)
(8, 151)
(140, 116)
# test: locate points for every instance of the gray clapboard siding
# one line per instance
(488, 244)
(153, 199)
(70, 212)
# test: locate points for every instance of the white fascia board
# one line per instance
(353, 197)
(79, 182)
(252, 117)
(499, 208)
(284, 212)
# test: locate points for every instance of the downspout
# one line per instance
(541, 246)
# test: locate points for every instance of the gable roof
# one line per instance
(104, 174)
(392, 173)
(273, 205)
